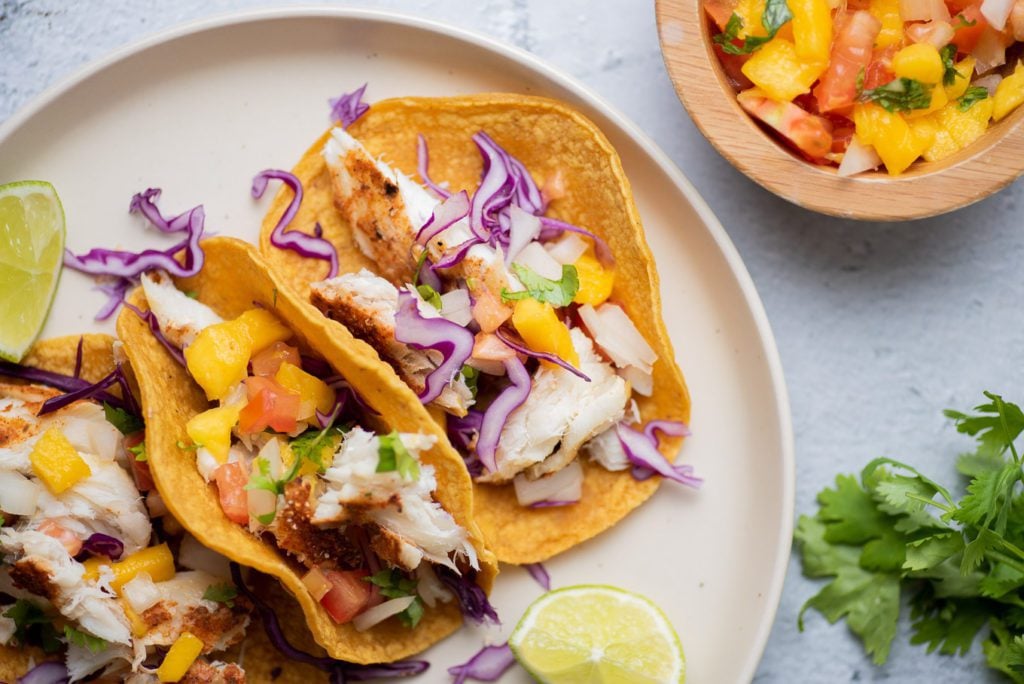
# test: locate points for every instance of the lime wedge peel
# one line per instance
(596, 634)
(31, 257)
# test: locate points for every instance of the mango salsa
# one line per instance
(1009, 93)
(780, 72)
(212, 429)
(310, 388)
(812, 29)
(263, 329)
(920, 62)
(887, 12)
(180, 657)
(956, 129)
(890, 135)
(156, 560)
(596, 281)
(539, 326)
(57, 463)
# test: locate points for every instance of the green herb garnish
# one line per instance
(471, 376)
(309, 446)
(971, 96)
(393, 584)
(949, 72)
(393, 456)
(893, 532)
(125, 422)
(263, 479)
(76, 636)
(139, 451)
(32, 627)
(900, 95)
(221, 593)
(181, 444)
(429, 295)
(555, 292)
(963, 23)
(776, 14)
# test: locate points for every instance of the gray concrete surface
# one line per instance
(880, 326)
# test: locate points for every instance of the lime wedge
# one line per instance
(31, 256)
(591, 634)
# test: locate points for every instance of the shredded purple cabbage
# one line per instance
(553, 227)
(122, 269)
(457, 253)
(552, 503)
(451, 340)
(463, 432)
(553, 358)
(78, 357)
(51, 672)
(348, 107)
(642, 451)
(422, 166)
(452, 210)
(59, 381)
(338, 670)
(308, 246)
(472, 599)
(511, 398)
(486, 665)
(150, 319)
(540, 574)
(99, 544)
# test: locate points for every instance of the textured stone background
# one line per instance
(880, 326)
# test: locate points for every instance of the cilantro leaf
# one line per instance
(221, 593)
(900, 95)
(429, 295)
(310, 446)
(393, 584)
(971, 96)
(963, 23)
(1005, 651)
(32, 627)
(776, 13)
(411, 616)
(471, 376)
(76, 636)
(263, 478)
(555, 292)
(949, 72)
(126, 423)
(393, 455)
(139, 452)
(988, 496)
(850, 513)
(997, 427)
(949, 625)
(923, 554)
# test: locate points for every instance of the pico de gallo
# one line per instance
(866, 83)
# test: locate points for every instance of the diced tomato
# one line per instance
(732, 65)
(140, 469)
(851, 54)
(966, 37)
(270, 405)
(842, 132)
(266, 362)
(348, 596)
(720, 11)
(231, 479)
(65, 536)
(808, 134)
(879, 71)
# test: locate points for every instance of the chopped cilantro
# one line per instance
(471, 376)
(420, 260)
(393, 584)
(900, 95)
(894, 534)
(971, 96)
(188, 447)
(126, 423)
(860, 81)
(776, 14)
(76, 636)
(393, 456)
(3, 520)
(139, 451)
(555, 292)
(263, 478)
(430, 295)
(192, 294)
(410, 617)
(221, 593)
(309, 446)
(961, 22)
(949, 73)
(32, 627)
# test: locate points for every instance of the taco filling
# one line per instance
(295, 459)
(85, 571)
(500, 316)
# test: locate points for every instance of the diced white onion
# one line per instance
(456, 307)
(615, 333)
(641, 382)
(141, 592)
(487, 366)
(365, 621)
(938, 34)
(317, 584)
(206, 463)
(923, 10)
(989, 83)
(271, 453)
(562, 485)
(18, 494)
(523, 229)
(567, 249)
(430, 589)
(155, 505)
(537, 259)
(260, 502)
(989, 51)
(858, 158)
(996, 12)
(195, 556)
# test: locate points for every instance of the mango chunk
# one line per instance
(57, 463)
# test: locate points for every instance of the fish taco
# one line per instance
(280, 443)
(95, 583)
(489, 250)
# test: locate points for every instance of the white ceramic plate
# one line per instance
(199, 109)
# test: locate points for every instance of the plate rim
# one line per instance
(730, 253)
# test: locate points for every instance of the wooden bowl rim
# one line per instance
(927, 189)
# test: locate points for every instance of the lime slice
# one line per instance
(597, 634)
(31, 255)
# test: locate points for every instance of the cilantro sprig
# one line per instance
(393, 456)
(972, 96)
(892, 533)
(949, 72)
(221, 593)
(76, 636)
(900, 95)
(776, 14)
(393, 584)
(126, 423)
(32, 626)
(555, 292)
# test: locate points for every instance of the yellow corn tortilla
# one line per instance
(235, 279)
(547, 136)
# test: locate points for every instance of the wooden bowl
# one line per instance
(926, 189)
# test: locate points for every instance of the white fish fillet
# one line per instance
(181, 318)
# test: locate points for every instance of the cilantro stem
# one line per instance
(1001, 407)
(931, 502)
